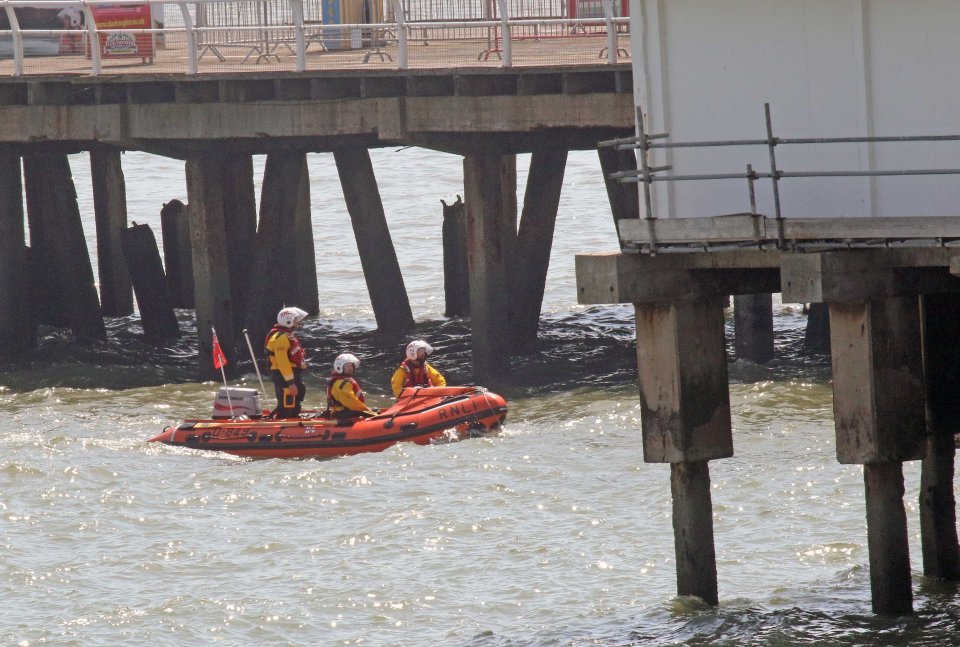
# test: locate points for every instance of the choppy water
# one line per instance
(553, 532)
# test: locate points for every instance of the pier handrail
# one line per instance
(285, 25)
(647, 175)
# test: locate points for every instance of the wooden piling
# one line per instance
(693, 530)
(489, 182)
(60, 245)
(149, 283)
(110, 210)
(624, 197)
(456, 278)
(388, 295)
(211, 270)
(753, 327)
(271, 279)
(938, 507)
(177, 254)
(16, 325)
(887, 538)
(534, 242)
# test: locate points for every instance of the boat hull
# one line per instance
(420, 415)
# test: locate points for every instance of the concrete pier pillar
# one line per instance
(456, 277)
(879, 412)
(388, 295)
(624, 198)
(887, 538)
(693, 530)
(57, 239)
(535, 240)
(272, 278)
(211, 268)
(753, 327)
(306, 287)
(16, 327)
(240, 214)
(110, 209)
(685, 411)
(490, 182)
(938, 507)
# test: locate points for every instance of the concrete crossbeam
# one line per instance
(634, 278)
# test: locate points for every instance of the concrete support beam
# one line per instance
(938, 507)
(211, 268)
(388, 295)
(110, 209)
(693, 530)
(535, 240)
(306, 287)
(878, 382)
(57, 238)
(15, 335)
(614, 277)
(684, 396)
(753, 327)
(887, 538)
(280, 211)
(240, 221)
(490, 183)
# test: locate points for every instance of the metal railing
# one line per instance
(648, 174)
(280, 33)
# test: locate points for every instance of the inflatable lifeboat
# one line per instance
(421, 415)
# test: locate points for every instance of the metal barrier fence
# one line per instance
(164, 36)
(648, 175)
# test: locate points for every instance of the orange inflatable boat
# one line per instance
(420, 415)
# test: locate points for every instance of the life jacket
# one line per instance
(415, 373)
(295, 353)
(332, 402)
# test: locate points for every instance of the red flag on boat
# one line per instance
(219, 359)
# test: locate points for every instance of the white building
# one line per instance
(829, 68)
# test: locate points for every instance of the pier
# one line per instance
(216, 123)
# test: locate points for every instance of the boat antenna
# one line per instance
(255, 364)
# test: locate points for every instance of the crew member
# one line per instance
(345, 398)
(414, 371)
(287, 362)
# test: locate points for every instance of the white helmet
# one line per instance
(290, 316)
(342, 360)
(415, 346)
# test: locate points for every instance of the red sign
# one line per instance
(123, 44)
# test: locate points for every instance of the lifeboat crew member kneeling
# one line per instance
(287, 361)
(414, 371)
(345, 398)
